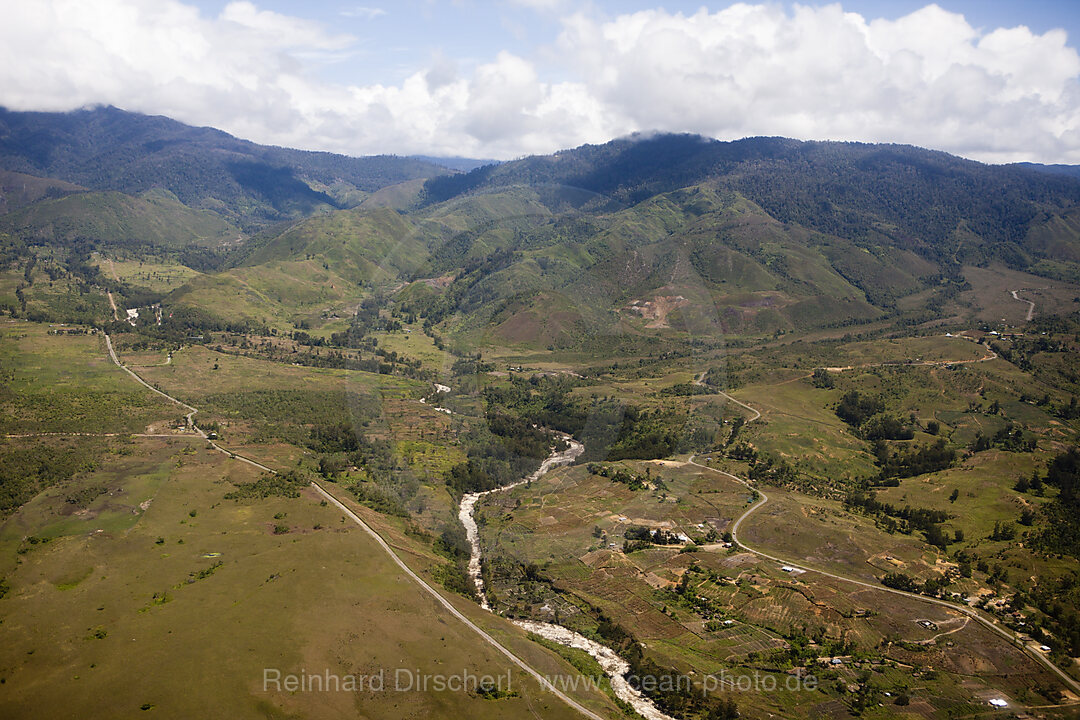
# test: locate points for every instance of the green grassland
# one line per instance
(832, 539)
(255, 296)
(110, 497)
(201, 595)
(992, 301)
(63, 300)
(801, 429)
(268, 411)
(140, 561)
(191, 375)
(66, 383)
(156, 274)
(418, 345)
(232, 390)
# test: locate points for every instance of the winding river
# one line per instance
(612, 665)
(468, 507)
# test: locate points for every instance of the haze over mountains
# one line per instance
(638, 236)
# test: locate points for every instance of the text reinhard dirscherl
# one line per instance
(466, 681)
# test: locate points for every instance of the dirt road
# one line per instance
(1013, 638)
(762, 500)
(544, 683)
(1031, 305)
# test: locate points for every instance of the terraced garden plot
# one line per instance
(738, 641)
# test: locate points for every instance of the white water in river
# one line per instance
(468, 506)
(612, 665)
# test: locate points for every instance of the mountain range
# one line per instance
(106, 148)
(640, 237)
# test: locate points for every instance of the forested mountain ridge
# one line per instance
(646, 234)
(893, 194)
(105, 148)
(1056, 169)
(676, 233)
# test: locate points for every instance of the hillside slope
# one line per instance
(19, 189)
(884, 194)
(106, 148)
(116, 219)
(678, 235)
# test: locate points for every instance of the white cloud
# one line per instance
(366, 13)
(820, 73)
(547, 6)
(815, 73)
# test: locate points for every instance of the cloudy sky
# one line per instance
(993, 80)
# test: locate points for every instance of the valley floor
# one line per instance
(757, 562)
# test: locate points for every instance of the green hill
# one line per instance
(116, 219)
(361, 246)
(19, 189)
